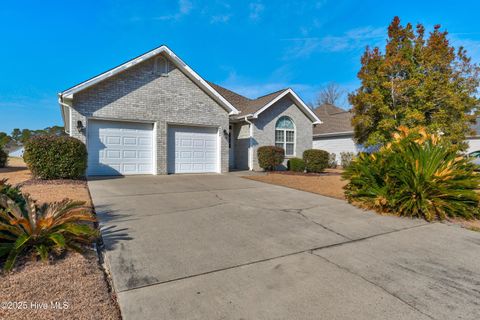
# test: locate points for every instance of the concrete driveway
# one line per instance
(223, 247)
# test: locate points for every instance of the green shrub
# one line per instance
(3, 158)
(56, 157)
(332, 160)
(417, 175)
(269, 157)
(346, 158)
(315, 160)
(296, 165)
(42, 229)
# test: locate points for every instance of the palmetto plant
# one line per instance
(42, 229)
(418, 175)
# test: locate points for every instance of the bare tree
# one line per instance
(330, 94)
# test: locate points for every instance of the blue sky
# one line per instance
(252, 47)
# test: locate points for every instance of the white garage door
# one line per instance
(192, 149)
(119, 148)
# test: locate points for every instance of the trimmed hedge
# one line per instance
(315, 160)
(56, 157)
(3, 158)
(269, 157)
(296, 165)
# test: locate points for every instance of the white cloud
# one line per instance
(184, 8)
(256, 9)
(221, 18)
(350, 40)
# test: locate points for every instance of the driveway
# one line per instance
(223, 247)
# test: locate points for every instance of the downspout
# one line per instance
(250, 144)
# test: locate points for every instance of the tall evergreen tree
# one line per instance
(416, 81)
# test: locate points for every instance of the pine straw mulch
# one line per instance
(74, 279)
(329, 183)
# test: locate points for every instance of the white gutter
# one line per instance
(64, 107)
(332, 134)
(250, 144)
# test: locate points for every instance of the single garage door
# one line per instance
(119, 148)
(192, 149)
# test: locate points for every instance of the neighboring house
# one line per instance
(335, 134)
(16, 152)
(474, 140)
(155, 115)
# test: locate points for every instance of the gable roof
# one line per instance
(189, 72)
(336, 121)
(252, 108)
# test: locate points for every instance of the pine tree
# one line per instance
(415, 82)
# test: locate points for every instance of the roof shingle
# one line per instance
(335, 120)
(243, 104)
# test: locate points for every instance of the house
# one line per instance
(16, 152)
(155, 115)
(335, 134)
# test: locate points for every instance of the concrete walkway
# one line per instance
(223, 247)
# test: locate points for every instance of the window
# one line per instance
(285, 135)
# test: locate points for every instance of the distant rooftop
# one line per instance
(335, 120)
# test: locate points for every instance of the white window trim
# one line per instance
(285, 137)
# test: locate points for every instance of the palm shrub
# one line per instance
(417, 175)
(270, 157)
(42, 229)
(12, 192)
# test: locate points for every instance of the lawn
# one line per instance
(74, 279)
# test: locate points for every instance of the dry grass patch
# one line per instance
(75, 279)
(16, 171)
(329, 184)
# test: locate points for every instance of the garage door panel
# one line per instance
(129, 141)
(112, 140)
(192, 149)
(119, 148)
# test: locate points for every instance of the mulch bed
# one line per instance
(53, 182)
(307, 174)
(329, 183)
(77, 280)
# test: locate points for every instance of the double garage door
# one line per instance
(124, 148)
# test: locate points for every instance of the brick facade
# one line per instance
(264, 128)
(142, 94)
